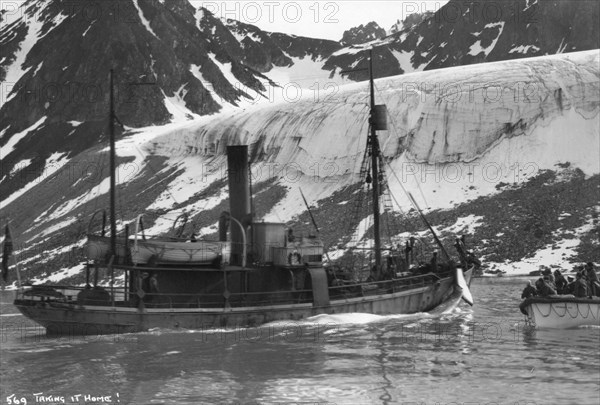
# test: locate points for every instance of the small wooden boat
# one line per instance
(561, 311)
(167, 252)
(97, 247)
(155, 250)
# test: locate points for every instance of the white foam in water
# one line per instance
(351, 318)
(43, 349)
(363, 318)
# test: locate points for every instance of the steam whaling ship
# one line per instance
(198, 284)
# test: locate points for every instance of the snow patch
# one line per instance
(16, 138)
(360, 231)
(306, 74)
(476, 48)
(562, 46)
(28, 16)
(60, 275)
(403, 59)
(354, 49)
(555, 254)
(225, 69)
(197, 174)
(524, 49)
(88, 28)
(143, 19)
(54, 163)
(177, 106)
(529, 3)
(20, 165)
(47, 255)
(199, 15)
(53, 228)
(465, 225)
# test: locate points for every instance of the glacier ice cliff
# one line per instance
(455, 133)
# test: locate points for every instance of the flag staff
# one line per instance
(7, 251)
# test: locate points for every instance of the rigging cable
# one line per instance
(399, 137)
(396, 201)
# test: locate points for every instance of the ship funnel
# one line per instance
(239, 197)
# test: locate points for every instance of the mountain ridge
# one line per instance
(182, 168)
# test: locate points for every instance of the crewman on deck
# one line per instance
(473, 260)
(373, 275)
(529, 291)
(153, 288)
(434, 262)
(141, 287)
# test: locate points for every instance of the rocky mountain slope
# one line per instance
(363, 33)
(56, 58)
(517, 169)
(464, 32)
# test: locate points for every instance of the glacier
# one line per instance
(454, 133)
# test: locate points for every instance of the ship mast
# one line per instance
(113, 153)
(113, 223)
(374, 163)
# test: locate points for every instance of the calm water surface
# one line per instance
(483, 354)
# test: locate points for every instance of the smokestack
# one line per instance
(239, 196)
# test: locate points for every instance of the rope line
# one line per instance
(578, 314)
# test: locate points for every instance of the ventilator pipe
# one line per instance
(243, 232)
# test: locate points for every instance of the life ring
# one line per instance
(295, 255)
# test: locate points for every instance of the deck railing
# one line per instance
(119, 296)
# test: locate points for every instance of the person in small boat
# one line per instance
(529, 291)
(592, 278)
(539, 284)
(560, 282)
(570, 285)
(545, 287)
(549, 277)
(580, 289)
